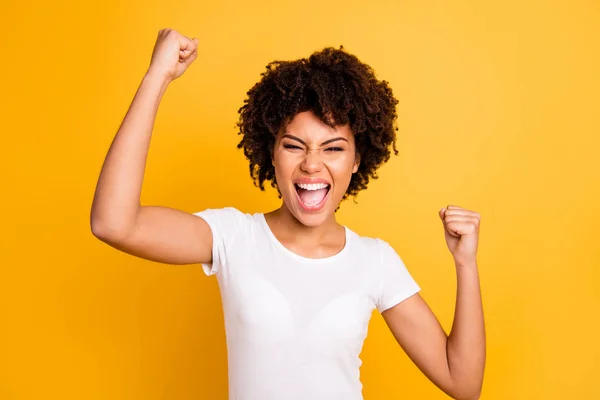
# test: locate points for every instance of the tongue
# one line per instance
(312, 197)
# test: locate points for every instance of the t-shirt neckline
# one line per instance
(278, 244)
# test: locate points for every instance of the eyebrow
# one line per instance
(287, 135)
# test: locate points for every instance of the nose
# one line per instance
(311, 162)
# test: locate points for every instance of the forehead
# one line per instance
(307, 126)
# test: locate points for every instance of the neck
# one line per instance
(282, 218)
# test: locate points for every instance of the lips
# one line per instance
(312, 195)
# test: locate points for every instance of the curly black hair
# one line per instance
(339, 89)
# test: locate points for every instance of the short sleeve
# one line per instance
(396, 283)
(224, 224)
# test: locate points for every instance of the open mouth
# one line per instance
(312, 196)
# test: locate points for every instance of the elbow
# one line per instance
(102, 233)
(467, 394)
(111, 226)
(469, 397)
(109, 233)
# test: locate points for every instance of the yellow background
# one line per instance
(499, 113)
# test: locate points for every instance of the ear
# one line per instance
(356, 163)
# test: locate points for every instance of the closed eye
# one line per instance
(291, 146)
(334, 149)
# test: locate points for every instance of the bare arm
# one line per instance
(156, 233)
(455, 363)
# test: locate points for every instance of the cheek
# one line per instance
(284, 168)
(341, 170)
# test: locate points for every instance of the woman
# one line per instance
(298, 288)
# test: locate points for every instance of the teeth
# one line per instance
(312, 186)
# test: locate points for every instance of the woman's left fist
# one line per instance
(461, 228)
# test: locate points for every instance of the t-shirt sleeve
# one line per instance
(396, 283)
(224, 224)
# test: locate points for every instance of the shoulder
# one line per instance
(226, 219)
(373, 246)
(224, 212)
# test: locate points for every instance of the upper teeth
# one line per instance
(312, 186)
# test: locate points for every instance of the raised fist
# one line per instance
(173, 53)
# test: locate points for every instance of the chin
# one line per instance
(311, 220)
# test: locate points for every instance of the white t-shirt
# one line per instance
(295, 326)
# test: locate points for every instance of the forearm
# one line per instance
(117, 198)
(466, 343)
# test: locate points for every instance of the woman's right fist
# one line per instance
(173, 53)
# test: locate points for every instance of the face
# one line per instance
(313, 167)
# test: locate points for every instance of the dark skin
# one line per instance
(307, 149)
(452, 362)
